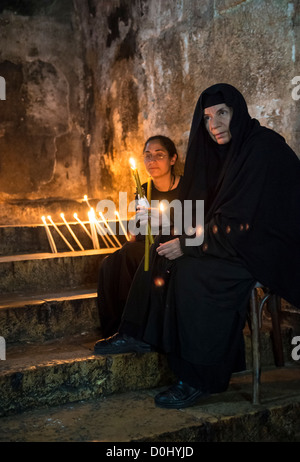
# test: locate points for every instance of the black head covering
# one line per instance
(251, 186)
(203, 153)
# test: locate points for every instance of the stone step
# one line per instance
(66, 370)
(45, 272)
(131, 417)
(43, 317)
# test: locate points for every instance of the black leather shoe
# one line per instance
(179, 396)
(120, 343)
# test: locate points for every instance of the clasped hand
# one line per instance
(158, 219)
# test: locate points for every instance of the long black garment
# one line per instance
(118, 269)
(252, 233)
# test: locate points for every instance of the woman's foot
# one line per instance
(179, 396)
(120, 343)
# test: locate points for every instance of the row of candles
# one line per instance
(96, 225)
(96, 228)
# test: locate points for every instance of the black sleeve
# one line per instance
(214, 243)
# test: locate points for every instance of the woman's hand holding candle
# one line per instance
(158, 218)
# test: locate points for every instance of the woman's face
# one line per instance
(157, 160)
(217, 121)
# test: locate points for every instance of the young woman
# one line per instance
(248, 178)
(117, 270)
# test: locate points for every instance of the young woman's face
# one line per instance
(217, 121)
(157, 160)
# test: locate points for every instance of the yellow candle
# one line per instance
(148, 238)
(147, 252)
(136, 177)
(149, 186)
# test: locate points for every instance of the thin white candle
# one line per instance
(83, 225)
(104, 221)
(85, 198)
(49, 236)
(91, 215)
(60, 233)
(122, 226)
(101, 232)
(71, 231)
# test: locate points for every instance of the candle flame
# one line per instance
(85, 197)
(161, 207)
(75, 215)
(91, 214)
(132, 163)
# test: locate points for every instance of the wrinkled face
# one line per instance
(217, 121)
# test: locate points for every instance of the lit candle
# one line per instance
(49, 236)
(71, 231)
(101, 232)
(91, 215)
(136, 177)
(122, 226)
(85, 198)
(60, 233)
(107, 225)
(148, 238)
(83, 225)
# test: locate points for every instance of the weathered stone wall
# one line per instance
(42, 120)
(95, 78)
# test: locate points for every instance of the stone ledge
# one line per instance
(49, 272)
(48, 375)
(43, 317)
(133, 417)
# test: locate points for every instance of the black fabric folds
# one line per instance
(193, 308)
(251, 194)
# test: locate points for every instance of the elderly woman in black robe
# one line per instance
(249, 179)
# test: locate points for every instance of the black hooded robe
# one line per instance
(251, 233)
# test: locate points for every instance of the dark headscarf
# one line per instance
(251, 191)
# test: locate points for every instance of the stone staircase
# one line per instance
(49, 320)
